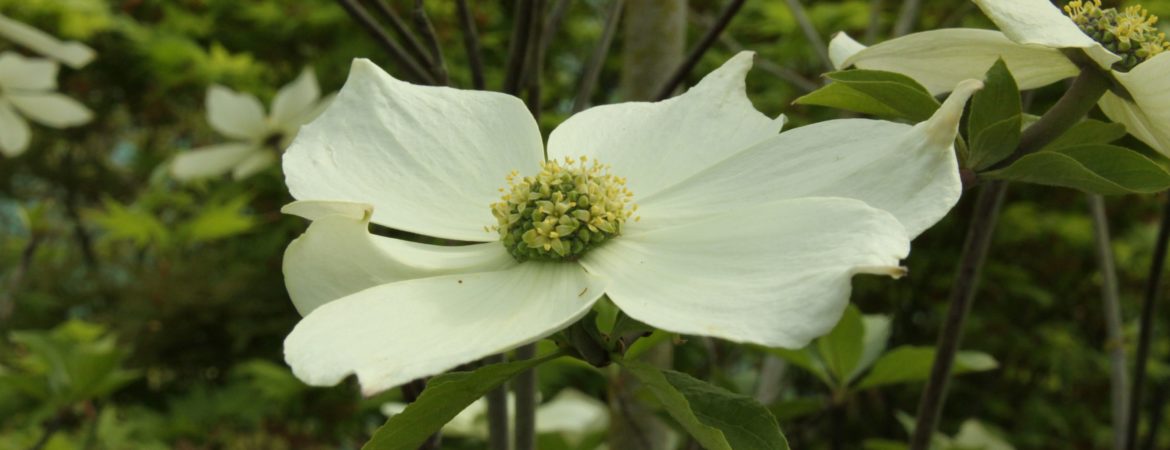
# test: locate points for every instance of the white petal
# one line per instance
(50, 108)
(74, 54)
(254, 163)
(20, 73)
(394, 333)
(14, 132)
(1039, 22)
(656, 145)
(572, 413)
(338, 256)
(210, 161)
(234, 114)
(776, 274)
(430, 159)
(294, 100)
(1147, 117)
(940, 59)
(909, 171)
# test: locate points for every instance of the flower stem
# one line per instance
(1081, 96)
(1153, 289)
(1112, 306)
(471, 43)
(497, 411)
(524, 386)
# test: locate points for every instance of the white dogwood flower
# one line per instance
(743, 233)
(72, 53)
(1034, 36)
(28, 90)
(258, 137)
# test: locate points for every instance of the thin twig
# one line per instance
(534, 61)
(810, 32)
(363, 18)
(978, 240)
(597, 59)
(697, 52)
(552, 24)
(1149, 306)
(875, 22)
(958, 14)
(524, 387)
(788, 75)
(471, 43)
(907, 17)
(423, 23)
(518, 47)
(16, 277)
(497, 411)
(413, 45)
(1114, 344)
(1157, 409)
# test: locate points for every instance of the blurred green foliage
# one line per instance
(136, 312)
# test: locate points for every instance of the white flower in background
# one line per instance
(743, 233)
(1034, 32)
(259, 137)
(571, 414)
(72, 53)
(28, 90)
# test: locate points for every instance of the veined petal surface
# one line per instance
(337, 256)
(776, 274)
(940, 59)
(393, 333)
(294, 100)
(910, 171)
(74, 54)
(235, 114)
(1039, 22)
(210, 161)
(14, 131)
(1147, 117)
(430, 159)
(656, 145)
(50, 108)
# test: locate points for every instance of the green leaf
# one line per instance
(124, 222)
(1093, 168)
(1088, 131)
(877, 336)
(717, 418)
(220, 220)
(804, 359)
(883, 94)
(993, 128)
(841, 349)
(445, 396)
(908, 364)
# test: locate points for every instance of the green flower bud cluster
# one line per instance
(563, 211)
(1129, 33)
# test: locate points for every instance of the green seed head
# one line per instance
(563, 211)
(1129, 33)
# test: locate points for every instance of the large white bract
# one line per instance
(71, 53)
(28, 91)
(1032, 37)
(258, 137)
(746, 233)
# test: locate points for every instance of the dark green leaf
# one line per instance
(909, 364)
(993, 128)
(883, 94)
(1088, 132)
(717, 418)
(1094, 168)
(445, 396)
(804, 359)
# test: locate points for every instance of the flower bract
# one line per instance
(258, 137)
(742, 232)
(1033, 41)
(28, 91)
(71, 53)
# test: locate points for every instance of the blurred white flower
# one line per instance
(745, 233)
(1034, 36)
(571, 414)
(72, 53)
(258, 137)
(28, 90)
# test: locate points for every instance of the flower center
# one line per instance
(1129, 33)
(563, 211)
